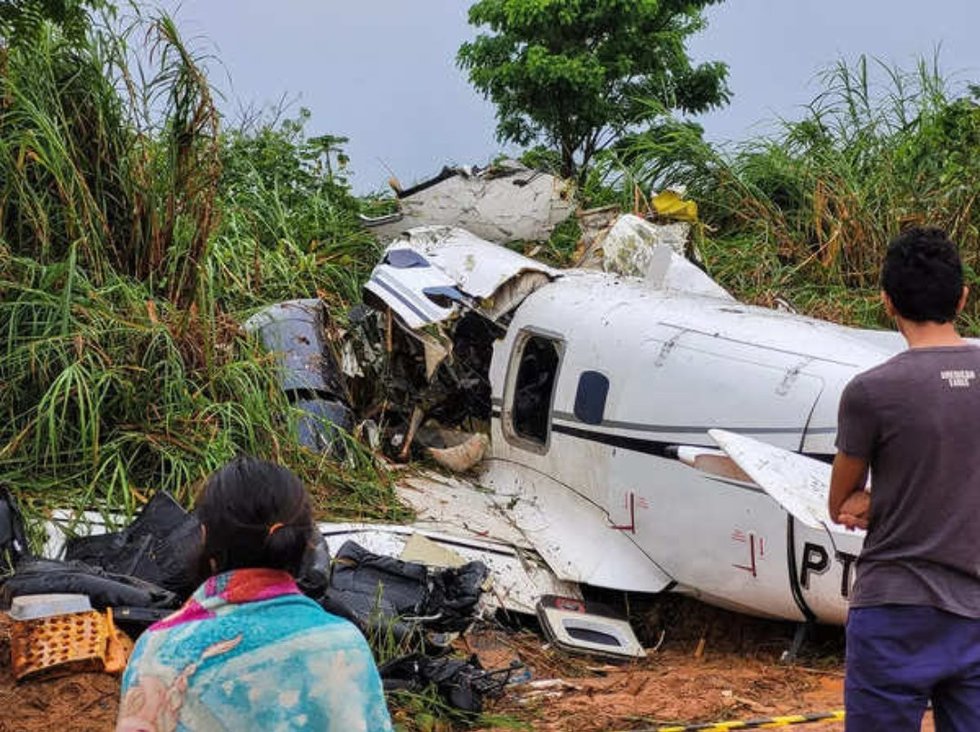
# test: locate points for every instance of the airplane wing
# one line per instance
(798, 483)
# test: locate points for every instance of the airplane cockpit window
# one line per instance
(533, 389)
(590, 399)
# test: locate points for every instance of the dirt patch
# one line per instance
(564, 692)
(81, 702)
(671, 686)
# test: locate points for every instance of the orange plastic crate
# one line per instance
(59, 644)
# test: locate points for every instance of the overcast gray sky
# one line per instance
(383, 72)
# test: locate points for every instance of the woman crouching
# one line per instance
(248, 651)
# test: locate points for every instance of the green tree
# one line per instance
(22, 21)
(578, 74)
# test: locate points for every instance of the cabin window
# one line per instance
(534, 389)
(590, 399)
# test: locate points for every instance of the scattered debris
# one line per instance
(502, 203)
(464, 684)
(519, 576)
(578, 626)
(403, 598)
(296, 331)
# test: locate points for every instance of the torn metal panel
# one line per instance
(432, 274)
(295, 331)
(528, 509)
(503, 203)
(512, 293)
(441, 502)
(519, 577)
(575, 536)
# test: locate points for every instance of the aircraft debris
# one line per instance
(461, 452)
(296, 331)
(432, 274)
(463, 684)
(502, 203)
(579, 626)
(654, 252)
(601, 432)
(517, 575)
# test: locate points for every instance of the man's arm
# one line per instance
(848, 502)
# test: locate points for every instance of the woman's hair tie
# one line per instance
(274, 528)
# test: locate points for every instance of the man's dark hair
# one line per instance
(923, 275)
(255, 514)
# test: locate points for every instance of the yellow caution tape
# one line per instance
(762, 723)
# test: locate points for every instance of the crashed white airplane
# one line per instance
(647, 435)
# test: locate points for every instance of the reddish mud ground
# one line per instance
(736, 676)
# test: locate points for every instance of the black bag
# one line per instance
(463, 684)
(314, 571)
(104, 589)
(13, 540)
(161, 547)
(371, 590)
(453, 596)
(378, 592)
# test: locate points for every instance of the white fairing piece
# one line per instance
(635, 247)
(670, 271)
(430, 273)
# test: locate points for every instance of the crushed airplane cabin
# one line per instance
(686, 434)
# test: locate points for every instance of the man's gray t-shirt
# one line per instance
(916, 419)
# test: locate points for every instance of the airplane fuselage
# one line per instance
(598, 381)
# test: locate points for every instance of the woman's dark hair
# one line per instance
(923, 275)
(255, 514)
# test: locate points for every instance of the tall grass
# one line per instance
(805, 214)
(134, 237)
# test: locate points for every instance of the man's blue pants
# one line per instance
(899, 657)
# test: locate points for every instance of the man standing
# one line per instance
(913, 630)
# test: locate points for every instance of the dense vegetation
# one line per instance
(804, 215)
(136, 235)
